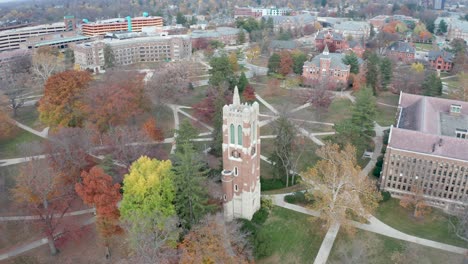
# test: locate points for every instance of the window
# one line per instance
(225, 197)
(239, 135)
(236, 188)
(236, 171)
(233, 136)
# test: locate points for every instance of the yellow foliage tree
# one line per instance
(233, 61)
(417, 67)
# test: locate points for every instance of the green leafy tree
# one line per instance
(298, 62)
(352, 60)
(432, 85)
(241, 37)
(242, 83)
(109, 58)
(372, 74)
(221, 72)
(443, 26)
(180, 19)
(274, 63)
(386, 72)
(191, 199)
(364, 111)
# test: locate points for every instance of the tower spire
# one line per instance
(326, 51)
(236, 99)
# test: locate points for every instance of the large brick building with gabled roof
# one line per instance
(427, 152)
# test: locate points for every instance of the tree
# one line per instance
(109, 57)
(7, 129)
(184, 135)
(233, 61)
(98, 190)
(339, 188)
(253, 53)
(249, 94)
(408, 81)
(432, 85)
(242, 83)
(416, 200)
(215, 241)
(460, 92)
(217, 143)
(45, 63)
(115, 101)
(168, 83)
(41, 191)
(61, 104)
(319, 97)
(459, 223)
(353, 61)
(221, 72)
(298, 62)
(286, 63)
(147, 207)
(417, 67)
(274, 63)
(364, 111)
(386, 72)
(191, 196)
(372, 74)
(443, 26)
(180, 19)
(69, 57)
(372, 31)
(241, 37)
(152, 130)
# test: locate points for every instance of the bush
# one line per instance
(248, 226)
(385, 196)
(260, 216)
(296, 198)
(271, 184)
(262, 244)
(266, 203)
(376, 171)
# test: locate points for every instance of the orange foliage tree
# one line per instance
(7, 129)
(115, 101)
(97, 190)
(61, 104)
(286, 63)
(152, 130)
(416, 202)
(249, 94)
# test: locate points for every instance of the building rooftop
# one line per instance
(352, 25)
(401, 46)
(116, 42)
(447, 56)
(333, 34)
(283, 44)
(336, 60)
(299, 19)
(427, 125)
(31, 28)
(60, 40)
(218, 32)
(119, 20)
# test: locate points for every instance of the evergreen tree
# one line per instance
(352, 60)
(180, 19)
(372, 74)
(242, 83)
(298, 62)
(221, 72)
(109, 58)
(185, 134)
(191, 196)
(241, 37)
(216, 147)
(386, 72)
(364, 111)
(274, 63)
(432, 85)
(443, 26)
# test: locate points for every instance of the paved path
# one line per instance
(35, 217)
(378, 144)
(175, 111)
(300, 108)
(327, 244)
(388, 105)
(265, 103)
(43, 134)
(309, 135)
(375, 226)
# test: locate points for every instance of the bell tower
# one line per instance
(241, 159)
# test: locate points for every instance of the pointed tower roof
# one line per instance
(236, 99)
(326, 51)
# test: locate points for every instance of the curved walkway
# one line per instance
(35, 217)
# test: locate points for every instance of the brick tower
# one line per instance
(241, 159)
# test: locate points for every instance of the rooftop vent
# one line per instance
(455, 109)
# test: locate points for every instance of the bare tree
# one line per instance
(168, 82)
(45, 63)
(459, 223)
(382, 40)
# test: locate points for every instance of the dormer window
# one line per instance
(455, 109)
(461, 133)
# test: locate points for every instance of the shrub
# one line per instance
(376, 171)
(296, 198)
(271, 184)
(266, 203)
(262, 244)
(385, 196)
(260, 216)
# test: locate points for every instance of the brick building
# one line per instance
(326, 67)
(225, 35)
(356, 29)
(136, 24)
(334, 40)
(441, 60)
(401, 51)
(427, 152)
(241, 159)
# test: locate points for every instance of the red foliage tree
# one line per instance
(98, 190)
(152, 130)
(286, 63)
(200, 43)
(205, 110)
(249, 94)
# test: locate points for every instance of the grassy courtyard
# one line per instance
(433, 226)
(10, 148)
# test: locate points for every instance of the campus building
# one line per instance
(356, 29)
(401, 51)
(326, 67)
(260, 12)
(11, 39)
(334, 40)
(441, 60)
(56, 40)
(458, 29)
(136, 24)
(133, 50)
(427, 152)
(225, 35)
(241, 159)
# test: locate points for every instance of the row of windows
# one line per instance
(233, 136)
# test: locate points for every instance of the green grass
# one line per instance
(338, 110)
(388, 98)
(367, 247)
(29, 116)
(292, 236)
(385, 115)
(10, 148)
(423, 46)
(433, 226)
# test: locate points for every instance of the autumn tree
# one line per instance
(44, 194)
(115, 101)
(253, 52)
(319, 97)
(216, 241)
(339, 188)
(249, 94)
(416, 200)
(97, 190)
(286, 63)
(233, 61)
(7, 128)
(147, 206)
(61, 104)
(191, 196)
(274, 63)
(154, 132)
(46, 62)
(409, 80)
(168, 83)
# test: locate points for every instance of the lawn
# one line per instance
(423, 46)
(385, 115)
(388, 98)
(434, 226)
(292, 237)
(29, 116)
(367, 247)
(9, 148)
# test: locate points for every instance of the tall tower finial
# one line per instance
(326, 51)
(236, 99)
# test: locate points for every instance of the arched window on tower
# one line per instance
(233, 135)
(239, 135)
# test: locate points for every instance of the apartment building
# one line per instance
(427, 152)
(133, 50)
(136, 24)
